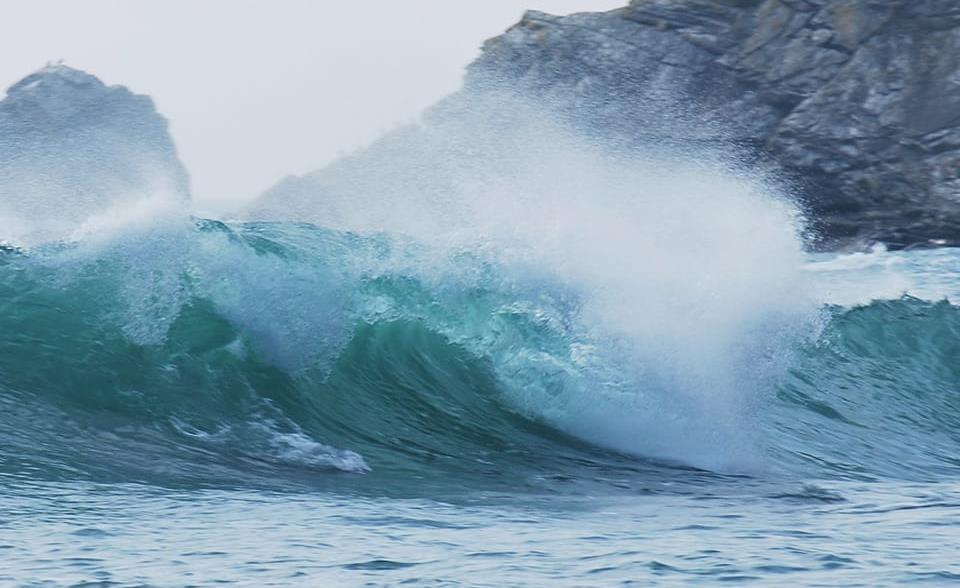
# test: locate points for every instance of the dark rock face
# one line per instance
(71, 146)
(858, 100)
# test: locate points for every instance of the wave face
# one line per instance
(286, 353)
(877, 396)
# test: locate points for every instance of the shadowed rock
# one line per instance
(858, 101)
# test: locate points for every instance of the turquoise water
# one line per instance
(281, 404)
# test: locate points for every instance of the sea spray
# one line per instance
(685, 273)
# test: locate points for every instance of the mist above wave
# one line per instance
(685, 268)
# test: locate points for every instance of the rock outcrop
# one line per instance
(858, 101)
(71, 146)
(855, 104)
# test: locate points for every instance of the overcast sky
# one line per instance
(256, 90)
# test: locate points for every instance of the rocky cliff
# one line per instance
(858, 101)
(854, 103)
(70, 146)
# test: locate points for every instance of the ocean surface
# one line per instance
(200, 403)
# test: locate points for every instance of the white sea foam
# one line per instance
(688, 272)
(860, 278)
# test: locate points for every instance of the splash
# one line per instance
(684, 272)
(644, 301)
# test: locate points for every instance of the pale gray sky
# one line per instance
(256, 90)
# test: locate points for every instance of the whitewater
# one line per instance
(524, 359)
